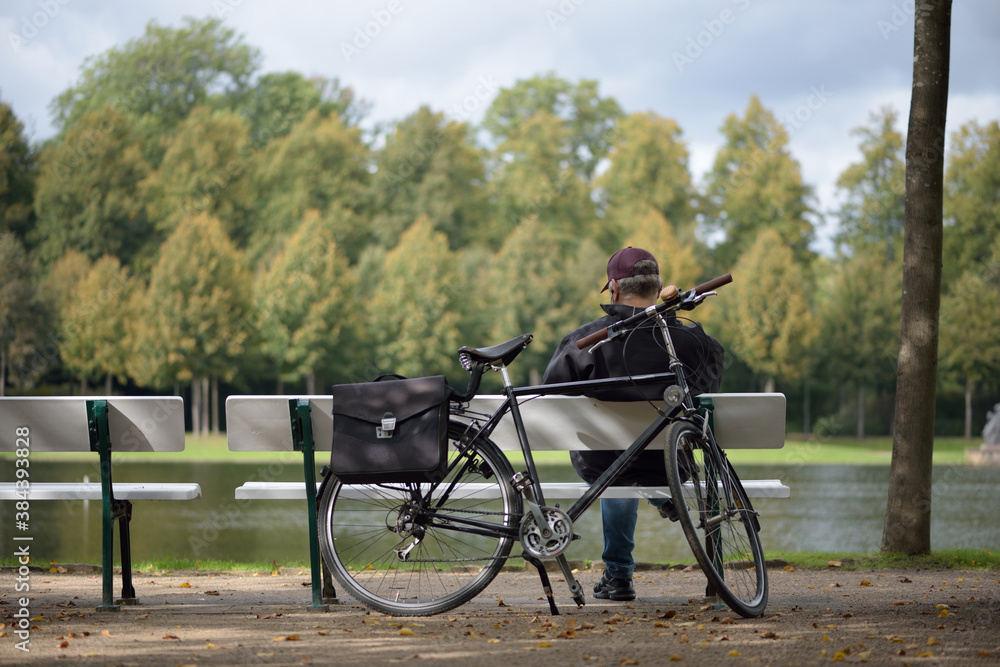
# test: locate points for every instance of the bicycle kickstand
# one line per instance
(546, 586)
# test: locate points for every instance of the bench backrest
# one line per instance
(61, 424)
(740, 421)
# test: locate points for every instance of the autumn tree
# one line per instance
(413, 313)
(88, 196)
(429, 167)
(970, 321)
(971, 204)
(587, 118)
(157, 79)
(322, 165)
(92, 324)
(859, 325)
(17, 176)
(648, 170)
(206, 168)
(766, 318)
(907, 526)
(193, 320)
(534, 177)
(756, 184)
(872, 212)
(24, 318)
(308, 315)
(545, 286)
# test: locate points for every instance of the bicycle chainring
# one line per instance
(546, 544)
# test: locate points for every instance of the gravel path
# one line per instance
(884, 617)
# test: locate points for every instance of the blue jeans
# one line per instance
(618, 519)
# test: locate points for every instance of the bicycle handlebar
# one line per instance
(672, 299)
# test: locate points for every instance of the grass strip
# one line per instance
(947, 559)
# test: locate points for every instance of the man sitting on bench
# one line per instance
(635, 283)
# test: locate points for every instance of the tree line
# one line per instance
(198, 226)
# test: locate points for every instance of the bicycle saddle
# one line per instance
(504, 352)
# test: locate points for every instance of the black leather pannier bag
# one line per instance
(391, 431)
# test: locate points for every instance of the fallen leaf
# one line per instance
(864, 582)
(64, 645)
(734, 653)
(169, 636)
(211, 592)
(287, 638)
(931, 641)
(834, 563)
(628, 661)
(185, 585)
(492, 640)
(675, 657)
(105, 633)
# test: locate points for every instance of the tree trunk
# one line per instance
(215, 406)
(908, 511)
(204, 407)
(280, 386)
(107, 384)
(3, 372)
(195, 408)
(806, 417)
(969, 385)
(310, 384)
(861, 412)
(769, 386)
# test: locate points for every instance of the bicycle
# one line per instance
(424, 548)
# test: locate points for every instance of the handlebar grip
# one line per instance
(713, 283)
(587, 341)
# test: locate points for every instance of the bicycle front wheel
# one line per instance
(718, 520)
(420, 549)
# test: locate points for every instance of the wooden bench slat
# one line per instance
(755, 488)
(92, 491)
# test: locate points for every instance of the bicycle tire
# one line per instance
(362, 530)
(721, 528)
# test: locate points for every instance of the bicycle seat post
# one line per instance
(522, 437)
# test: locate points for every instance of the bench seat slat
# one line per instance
(755, 488)
(92, 491)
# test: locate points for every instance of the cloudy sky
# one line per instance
(822, 66)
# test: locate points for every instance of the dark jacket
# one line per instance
(638, 353)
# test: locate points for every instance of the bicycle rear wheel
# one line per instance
(718, 520)
(420, 549)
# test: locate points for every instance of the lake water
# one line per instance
(832, 508)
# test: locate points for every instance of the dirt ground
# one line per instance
(885, 617)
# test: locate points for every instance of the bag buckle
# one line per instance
(387, 427)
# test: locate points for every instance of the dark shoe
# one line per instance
(668, 511)
(611, 588)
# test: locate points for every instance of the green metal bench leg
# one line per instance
(303, 439)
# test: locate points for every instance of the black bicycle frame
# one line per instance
(584, 387)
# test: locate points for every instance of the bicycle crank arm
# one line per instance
(574, 586)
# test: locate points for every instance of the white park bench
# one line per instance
(35, 425)
(564, 423)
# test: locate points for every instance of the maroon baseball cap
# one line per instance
(622, 264)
